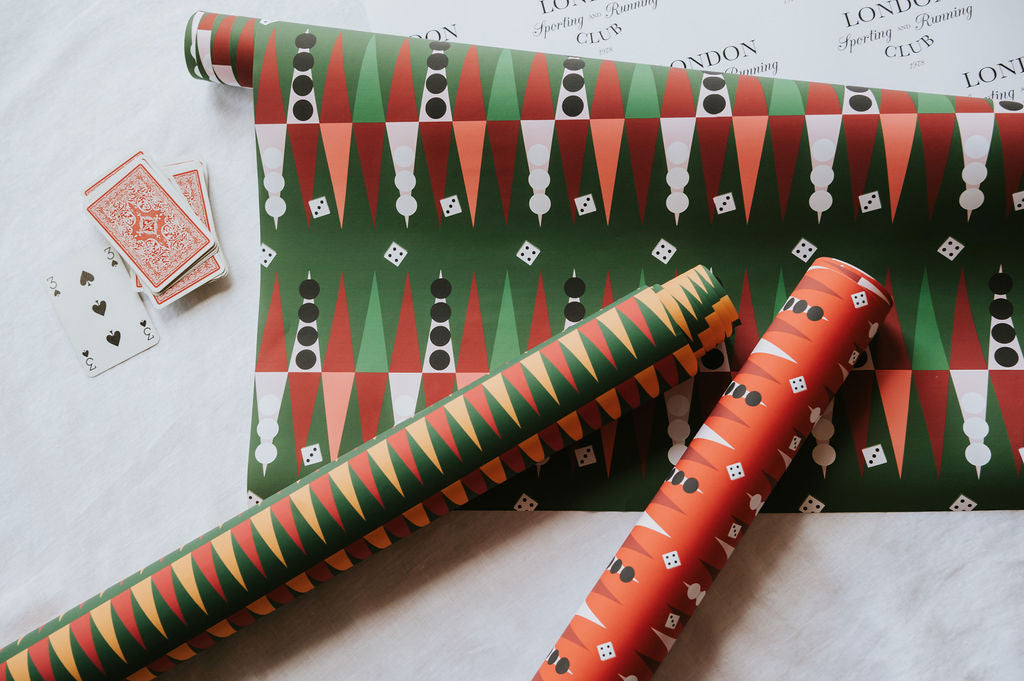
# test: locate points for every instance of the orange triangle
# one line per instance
(894, 386)
(469, 140)
(749, 132)
(494, 470)
(607, 137)
(337, 139)
(898, 137)
(337, 392)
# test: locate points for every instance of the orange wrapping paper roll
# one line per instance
(660, 574)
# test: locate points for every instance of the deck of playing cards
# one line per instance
(159, 221)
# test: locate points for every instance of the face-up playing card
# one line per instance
(148, 220)
(101, 313)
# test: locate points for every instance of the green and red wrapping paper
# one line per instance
(533, 188)
(659, 575)
(574, 383)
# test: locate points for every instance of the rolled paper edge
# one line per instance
(583, 628)
(719, 314)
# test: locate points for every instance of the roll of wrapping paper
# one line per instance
(400, 480)
(659, 575)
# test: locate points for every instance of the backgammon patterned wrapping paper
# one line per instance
(614, 361)
(454, 205)
(654, 582)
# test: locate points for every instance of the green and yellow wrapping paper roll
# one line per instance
(583, 377)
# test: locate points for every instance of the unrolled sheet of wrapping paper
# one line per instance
(660, 574)
(577, 381)
(456, 204)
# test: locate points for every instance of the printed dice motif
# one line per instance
(725, 203)
(311, 454)
(254, 499)
(395, 254)
(267, 255)
(671, 559)
(1018, 200)
(735, 470)
(450, 205)
(585, 204)
(319, 208)
(854, 356)
(798, 384)
(860, 299)
(811, 505)
(873, 456)
(672, 621)
(664, 251)
(606, 651)
(525, 503)
(950, 248)
(734, 531)
(870, 202)
(794, 444)
(528, 253)
(804, 249)
(585, 456)
(963, 503)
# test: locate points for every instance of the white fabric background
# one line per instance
(99, 477)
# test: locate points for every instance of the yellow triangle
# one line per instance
(182, 653)
(609, 401)
(495, 385)
(417, 515)
(225, 550)
(456, 492)
(61, 642)
(494, 470)
(143, 593)
(456, 408)
(651, 301)
(534, 363)
(263, 523)
(695, 276)
(141, 675)
(573, 342)
(303, 500)
(103, 617)
(183, 570)
(533, 448)
(648, 380)
(381, 456)
(686, 359)
(673, 308)
(18, 666)
(341, 476)
(339, 561)
(300, 583)
(611, 320)
(378, 538)
(261, 606)
(222, 629)
(570, 423)
(679, 293)
(420, 434)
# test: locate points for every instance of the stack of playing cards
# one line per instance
(160, 222)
